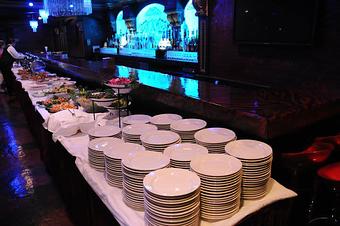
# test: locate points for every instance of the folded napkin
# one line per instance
(62, 118)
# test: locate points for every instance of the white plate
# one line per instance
(104, 131)
(138, 129)
(216, 164)
(184, 151)
(248, 149)
(122, 150)
(135, 119)
(171, 182)
(165, 119)
(159, 137)
(99, 144)
(146, 160)
(187, 125)
(38, 94)
(215, 135)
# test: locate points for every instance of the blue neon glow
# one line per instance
(120, 24)
(44, 15)
(31, 4)
(191, 20)
(34, 25)
(154, 79)
(71, 5)
(12, 144)
(190, 87)
(152, 21)
(22, 185)
(123, 72)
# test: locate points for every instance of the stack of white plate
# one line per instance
(181, 154)
(163, 121)
(256, 158)
(132, 133)
(172, 197)
(215, 139)
(96, 151)
(104, 131)
(221, 177)
(113, 161)
(186, 128)
(136, 119)
(159, 140)
(134, 168)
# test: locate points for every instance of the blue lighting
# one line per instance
(152, 21)
(120, 24)
(44, 14)
(31, 4)
(71, 5)
(190, 87)
(12, 144)
(191, 20)
(34, 25)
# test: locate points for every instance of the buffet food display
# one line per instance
(175, 170)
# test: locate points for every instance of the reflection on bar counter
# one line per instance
(156, 30)
(186, 86)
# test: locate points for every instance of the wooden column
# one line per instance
(201, 7)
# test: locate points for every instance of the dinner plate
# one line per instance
(171, 182)
(165, 119)
(214, 135)
(104, 131)
(248, 149)
(136, 119)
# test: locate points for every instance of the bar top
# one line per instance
(263, 112)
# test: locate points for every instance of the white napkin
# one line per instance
(56, 120)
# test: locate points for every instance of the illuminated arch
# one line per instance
(120, 24)
(191, 21)
(152, 21)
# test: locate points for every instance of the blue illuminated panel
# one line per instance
(152, 22)
(120, 24)
(185, 86)
(191, 20)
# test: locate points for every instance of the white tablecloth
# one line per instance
(112, 197)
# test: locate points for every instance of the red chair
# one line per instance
(298, 171)
(329, 177)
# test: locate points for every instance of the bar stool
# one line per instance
(299, 169)
(329, 177)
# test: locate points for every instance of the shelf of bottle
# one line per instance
(151, 53)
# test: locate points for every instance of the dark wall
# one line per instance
(28, 40)
(273, 65)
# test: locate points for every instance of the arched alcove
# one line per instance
(190, 24)
(120, 24)
(152, 22)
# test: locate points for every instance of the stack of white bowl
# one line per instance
(134, 168)
(215, 139)
(181, 154)
(132, 133)
(256, 158)
(96, 151)
(159, 140)
(136, 119)
(104, 131)
(186, 128)
(113, 161)
(221, 177)
(163, 121)
(172, 197)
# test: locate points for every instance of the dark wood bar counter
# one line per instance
(265, 113)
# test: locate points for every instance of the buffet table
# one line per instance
(72, 150)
